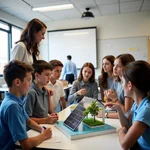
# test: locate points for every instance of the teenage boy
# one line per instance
(56, 85)
(38, 103)
(13, 117)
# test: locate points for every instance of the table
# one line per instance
(103, 142)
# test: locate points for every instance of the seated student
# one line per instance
(85, 85)
(106, 78)
(13, 117)
(38, 103)
(56, 85)
(136, 123)
(116, 94)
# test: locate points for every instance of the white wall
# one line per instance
(109, 27)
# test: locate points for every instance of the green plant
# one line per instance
(92, 109)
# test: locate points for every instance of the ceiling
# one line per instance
(22, 8)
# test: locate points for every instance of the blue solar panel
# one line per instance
(75, 118)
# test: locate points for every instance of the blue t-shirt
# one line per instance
(141, 113)
(12, 122)
(117, 87)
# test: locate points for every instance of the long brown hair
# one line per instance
(27, 36)
(90, 65)
(125, 59)
(103, 78)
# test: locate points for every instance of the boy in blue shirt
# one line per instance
(38, 103)
(13, 117)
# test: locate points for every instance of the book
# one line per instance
(84, 131)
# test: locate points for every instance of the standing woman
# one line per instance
(27, 48)
(85, 85)
(105, 80)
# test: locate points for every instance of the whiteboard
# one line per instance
(137, 46)
(79, 43)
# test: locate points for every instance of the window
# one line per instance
(16, 32)
(9, 34)
(3, 50)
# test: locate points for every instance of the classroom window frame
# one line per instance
(9, 37)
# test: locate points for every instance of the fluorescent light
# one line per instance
(53, 8)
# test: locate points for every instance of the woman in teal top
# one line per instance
(85, 85)
(135, 131)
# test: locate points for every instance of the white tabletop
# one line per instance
(103, 142)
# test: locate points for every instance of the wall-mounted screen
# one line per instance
(79, 43)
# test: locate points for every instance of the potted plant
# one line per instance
(93, 109)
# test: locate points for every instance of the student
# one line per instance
(13, 117)
(136, 123)
(106, 78)
(116, 94)
(38, 103)
(26, 49)
(57, 85)
(70, 70)
(85, 85)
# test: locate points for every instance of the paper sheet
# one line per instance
(56, 135)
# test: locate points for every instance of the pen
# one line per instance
(44, 127)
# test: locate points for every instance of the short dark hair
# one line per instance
(15, 69)
(39, 66)
(69, 57)
(90, 65)
(138, 72)
(55, 63)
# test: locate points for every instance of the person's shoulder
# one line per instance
(76, 82)
(32, 90)
(9, 105)
(20, 44)
(59, 83)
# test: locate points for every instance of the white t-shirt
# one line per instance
(58, 92)
(19, 52)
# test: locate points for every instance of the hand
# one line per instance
(52, 118)
(81, 92)
(50, 92)
(110, 94)
(47, 133)
(113, 106)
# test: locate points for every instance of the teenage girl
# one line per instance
(105, 80)
(85, 85)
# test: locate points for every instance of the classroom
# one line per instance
(122, 26)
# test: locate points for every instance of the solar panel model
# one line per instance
(75, 118)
